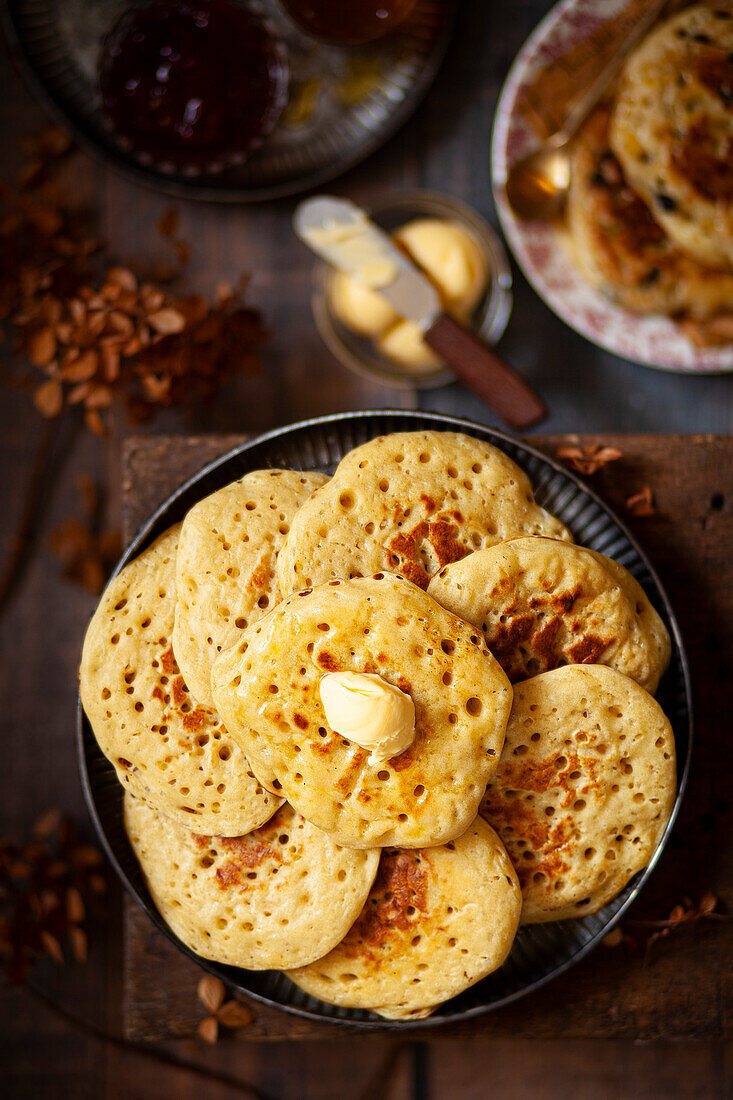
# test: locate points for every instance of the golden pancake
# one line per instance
(165, 748)
(672, 129)
(622, 248)
(267, 689)
(282, 896)
(542, 603)
(225, 567)
(410, 503)
(584, 789)
(437, 920)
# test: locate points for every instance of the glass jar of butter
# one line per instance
(462, 255)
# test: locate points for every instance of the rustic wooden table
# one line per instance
(680, 987)
(73, 1046)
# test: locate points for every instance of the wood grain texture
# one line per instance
(680, 988)
(444, 147)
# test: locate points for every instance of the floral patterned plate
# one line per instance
(653, 340)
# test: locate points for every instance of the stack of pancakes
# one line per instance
(542, 771)
(650, 209)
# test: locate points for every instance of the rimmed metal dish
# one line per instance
(344, 103)
(540, 952)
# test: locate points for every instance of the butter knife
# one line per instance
(343, 235)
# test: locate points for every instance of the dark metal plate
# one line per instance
(541, 951)
(346, 103)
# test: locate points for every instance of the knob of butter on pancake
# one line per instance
(365, 709)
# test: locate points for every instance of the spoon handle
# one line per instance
(585, 103)
(484, 373)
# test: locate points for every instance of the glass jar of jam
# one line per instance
(348, 22)
(191, 86)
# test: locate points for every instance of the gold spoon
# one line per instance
(537, 185)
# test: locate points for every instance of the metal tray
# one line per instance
(362, 95)
(540, 951)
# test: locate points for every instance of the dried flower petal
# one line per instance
(211, 992)
(52, 946)
(81, 369)
(234, 1014)
(93, 421)
(99, 397)
(167, 322)
(708, 903)
(41, 347)
(74, 905)
(641, 503)
(48, 398)
(85, 855)
(79, 943)
(122, 277)
(168, 224)
(47, 823)
(182, 250)
(587, 460)
(208, 1029)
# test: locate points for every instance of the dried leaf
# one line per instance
(211, 992)
(208, 1029)
(234, 1014)
(641, 503)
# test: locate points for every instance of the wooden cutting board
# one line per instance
(679, 987)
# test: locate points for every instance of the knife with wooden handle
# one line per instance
(343, 235)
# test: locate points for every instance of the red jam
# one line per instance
(192, 84)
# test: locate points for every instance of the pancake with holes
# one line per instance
(622, 248)
(165, 748)
(225, 567)
(437, 920)
(282, 896)
(542, 603)
(672, 130)
(268, 689)
(584, 789)
(410, 503)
